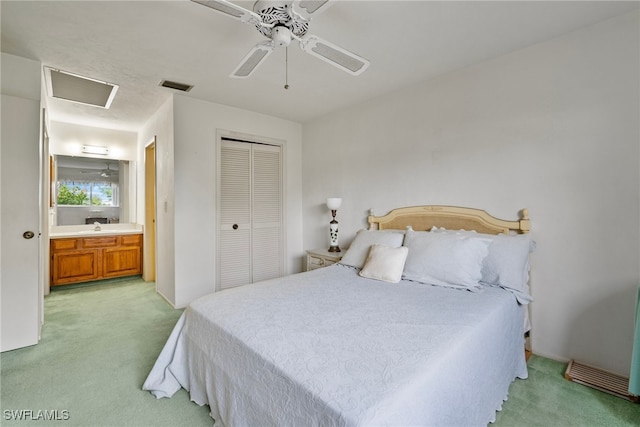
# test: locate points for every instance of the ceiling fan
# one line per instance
(282, 21)
(105, 173)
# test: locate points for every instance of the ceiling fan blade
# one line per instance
(231, 9)
(334, 55)
(307, 9)
(254, 58)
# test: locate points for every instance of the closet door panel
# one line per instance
(267, 198)
(267, 250)
(235, 260)
(235, 215)
(235, 184)
(267, 213)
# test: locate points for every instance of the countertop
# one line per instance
(71, 231)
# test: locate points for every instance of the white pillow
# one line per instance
(507, 264)
(357, 253)
(384, 263)
(445, 259)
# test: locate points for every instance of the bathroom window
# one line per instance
(87, 193)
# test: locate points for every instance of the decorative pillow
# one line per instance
(357, 253)
(507, 264)
(384, 263)
(445, 259)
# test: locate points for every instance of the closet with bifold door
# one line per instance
(250, 223)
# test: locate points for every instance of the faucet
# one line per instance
(96, 226)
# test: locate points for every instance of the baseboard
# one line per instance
(600, 380)
(166, 299)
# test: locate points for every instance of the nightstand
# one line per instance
(318, 258)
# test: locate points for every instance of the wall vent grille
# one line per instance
(175, 85)
(599, 379)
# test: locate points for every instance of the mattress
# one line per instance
(330, 348)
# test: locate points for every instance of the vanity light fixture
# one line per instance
(333, 203)
(94, 149)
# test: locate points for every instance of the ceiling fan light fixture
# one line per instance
(281, 36)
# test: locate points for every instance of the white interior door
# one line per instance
(19, 222)
(250, 229)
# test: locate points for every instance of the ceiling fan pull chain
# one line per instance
(286, 67)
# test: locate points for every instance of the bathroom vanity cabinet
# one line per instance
(83, 259)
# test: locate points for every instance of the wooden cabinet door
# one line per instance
(121, 261)
(75, 266)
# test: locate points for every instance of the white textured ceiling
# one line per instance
(136, 44)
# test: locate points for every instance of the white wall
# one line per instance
(554, 128)
(68, 139)
(192, 199)
(160, 127)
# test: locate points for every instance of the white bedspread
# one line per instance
(328, 347)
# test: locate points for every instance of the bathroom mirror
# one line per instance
(86, 190)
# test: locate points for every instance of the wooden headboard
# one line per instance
(422, 218)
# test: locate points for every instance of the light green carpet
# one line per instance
(99, 343)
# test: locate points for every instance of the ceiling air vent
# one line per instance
(175, 85)
(76, 88)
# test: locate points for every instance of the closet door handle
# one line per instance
(234, 226)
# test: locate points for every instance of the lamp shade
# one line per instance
(334, 203)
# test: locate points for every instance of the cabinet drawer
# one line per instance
(64, 244)
(99, 242)
(131, 239)
(314, 262)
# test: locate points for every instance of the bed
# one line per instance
(382, 338)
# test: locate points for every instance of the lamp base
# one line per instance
(334, 249)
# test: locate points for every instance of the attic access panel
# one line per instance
(76, 88)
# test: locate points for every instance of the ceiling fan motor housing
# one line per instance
(279, 14)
